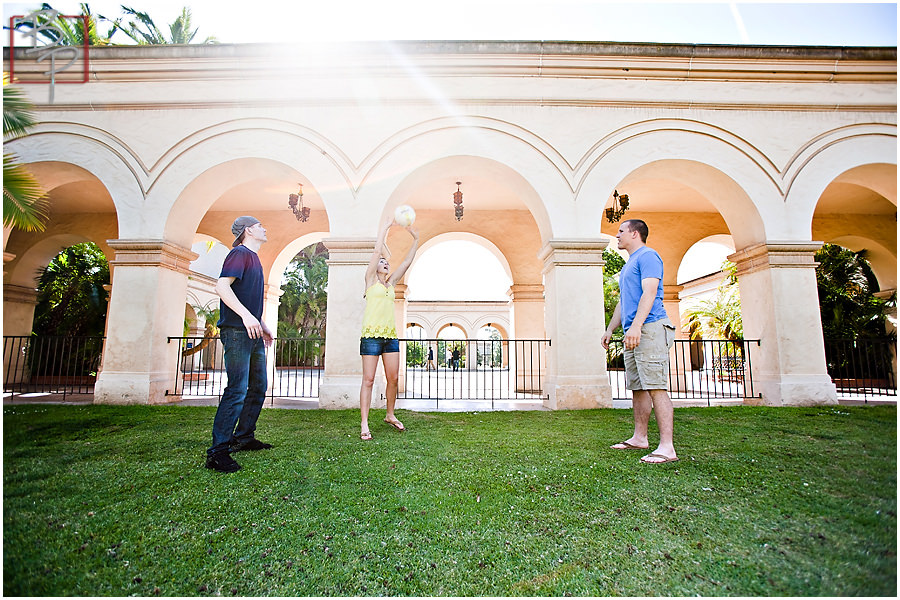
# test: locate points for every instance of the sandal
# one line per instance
(365, 436)
(396, 425)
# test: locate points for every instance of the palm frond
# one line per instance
(17, 115)
(25, 205)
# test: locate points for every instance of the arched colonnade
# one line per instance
(146, 186)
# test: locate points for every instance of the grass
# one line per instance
(104, 500)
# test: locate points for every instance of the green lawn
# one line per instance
(104, 500)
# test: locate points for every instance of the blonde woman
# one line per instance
(379, 331)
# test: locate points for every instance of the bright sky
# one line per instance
(803, 23)
(446, 269)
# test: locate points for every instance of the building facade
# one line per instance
(780, 148)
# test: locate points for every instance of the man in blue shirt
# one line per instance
(648, 336)
(245, 338)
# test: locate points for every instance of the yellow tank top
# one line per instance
(378, 320)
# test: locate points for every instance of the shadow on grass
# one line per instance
(103, 500)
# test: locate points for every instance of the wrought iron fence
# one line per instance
(698, 369)
(490, 370)
(295, 368)
(862, 367)
(56, 364)
(473, 369)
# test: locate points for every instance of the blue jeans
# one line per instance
(241, 403)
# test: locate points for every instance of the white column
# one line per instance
(18, 320)
(400, 306)
(527, 320)
(341, 380)
(146, 306)
(679, 357)
(271, 299)
(18, 309)
(780, 307)
(573, 284)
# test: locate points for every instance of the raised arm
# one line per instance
(376, 254)
(401, 270)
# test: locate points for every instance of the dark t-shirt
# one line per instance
(243, 264)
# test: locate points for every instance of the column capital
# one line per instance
(526, 292)
(349, 251)
(670, 292)
(400, 291)
(574, 252)
(776, 255)
(272, 292)
(152, 253)
(20, 294)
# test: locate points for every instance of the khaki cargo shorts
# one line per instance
(647, 366)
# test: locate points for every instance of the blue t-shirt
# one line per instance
(243, 264)
(643, 263)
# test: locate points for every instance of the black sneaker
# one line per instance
(251, 444)
(222, 461)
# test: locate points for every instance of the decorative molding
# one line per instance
(526, 292)
(776, 255)
(152, 253)
(671, 293)
(349, 251)
(572, 253)
(19, 294)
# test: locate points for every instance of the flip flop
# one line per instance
(666, 459)
(396, 425)
(365, 436)
(627, 446)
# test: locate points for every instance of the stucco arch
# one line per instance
(24, 271)
(453, 320)
(882, 260)
(287, 254)
(530, 167)
(733, 179)
(503, 328)
(841, 153)
(197, 176)
(718, 238)
(106, 160)
(466, 237)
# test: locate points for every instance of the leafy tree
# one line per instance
(301, 312)
(304, 302)
(719, 317)
(415, 353)
(70, 296)
(141, 28)
(614, 264)
(25, 204)
(847, 301)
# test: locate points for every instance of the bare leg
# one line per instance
(391, 362)
(369, 364)
(642, 405)
(665, 420)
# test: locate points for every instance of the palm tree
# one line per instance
(718, 317)
(847, 301)
(303, 304)
(67, 32)
(25, 204)
(143, 30)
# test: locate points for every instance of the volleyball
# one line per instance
(404, 215)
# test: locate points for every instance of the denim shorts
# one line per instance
(378, 346)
